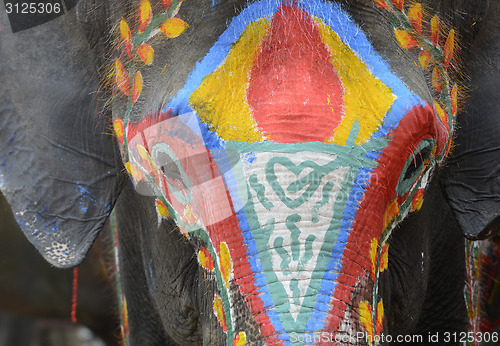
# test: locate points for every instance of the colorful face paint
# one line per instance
(291, 152)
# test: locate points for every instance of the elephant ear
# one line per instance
(472, 175)
(59, 162)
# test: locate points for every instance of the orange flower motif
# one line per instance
(436, 80)
(366, 319)
(399, 4)
(454, 99)
(379, 323)
(162, 210)
(415, 17)
(240, 339)
(205, 259)
(390, 213)
(405, 39)
(435, 30)
(226, 264)
(173, 27)
(122, 78)
(219, 312)
(137, 89)
(449, 47)
(418, 200)
(442, 115)
(145, 53)
(119, 130)
(383, 260)
(126, 37)
(145, 15)
(424, 59)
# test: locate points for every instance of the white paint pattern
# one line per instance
(310, 218)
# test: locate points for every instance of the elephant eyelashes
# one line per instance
(414, 165)
(417, 162)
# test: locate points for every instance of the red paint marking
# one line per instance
(74, 297)
(294, 91)
(418, 124)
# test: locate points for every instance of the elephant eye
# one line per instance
(170, 166)
(171, 169)
(416, 163)
(414, 166)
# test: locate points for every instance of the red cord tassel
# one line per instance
(74, 297)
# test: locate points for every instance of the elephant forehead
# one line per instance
(294, 73)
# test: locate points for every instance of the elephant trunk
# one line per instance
(303, 303)
(303, 281)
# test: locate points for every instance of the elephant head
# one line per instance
(291, 142)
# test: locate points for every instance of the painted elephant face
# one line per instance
(289, 140)
(292, 151)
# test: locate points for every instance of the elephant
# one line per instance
(278, 171)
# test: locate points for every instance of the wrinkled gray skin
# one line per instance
(59, 163)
